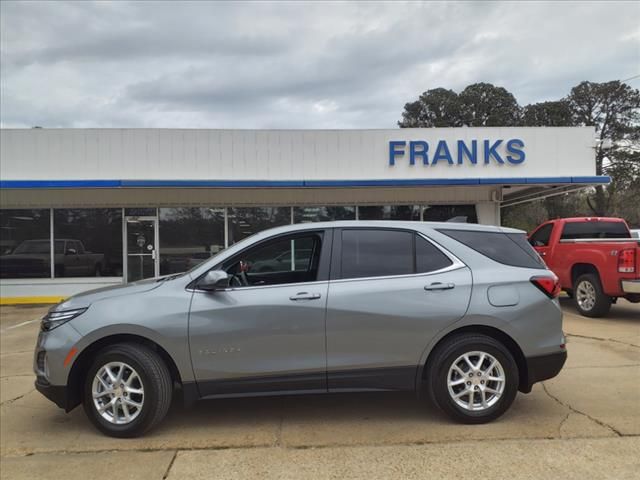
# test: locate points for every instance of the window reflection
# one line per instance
(189, 236)
(88, 242)
(389, 212)
(244, 222)
(25, 244)
(450, 213)
(323, 214)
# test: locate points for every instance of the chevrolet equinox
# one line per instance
(465, 314)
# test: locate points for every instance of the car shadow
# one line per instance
(622, 310)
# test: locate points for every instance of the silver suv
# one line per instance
(465, 314)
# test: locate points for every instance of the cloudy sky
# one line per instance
(293, 65)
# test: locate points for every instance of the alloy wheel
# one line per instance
(586, 295)
(118, 393)
(476, 381)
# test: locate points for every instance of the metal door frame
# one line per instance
(156, 238)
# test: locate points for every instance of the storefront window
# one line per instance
(247, 221)
(389, 212)
(451, 213)
(140, 212)
(323, 214)
(189, 236)
(88, 242)
(25, 244)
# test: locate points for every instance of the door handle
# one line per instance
(304, 296)
(542, 254)
(439, 286)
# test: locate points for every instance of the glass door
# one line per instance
(141, 248)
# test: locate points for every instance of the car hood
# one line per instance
(85, 299)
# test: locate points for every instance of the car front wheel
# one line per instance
(127, 390)
(473, 378)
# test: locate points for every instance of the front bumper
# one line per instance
(56, 393)
(543, 367)
(631, 286)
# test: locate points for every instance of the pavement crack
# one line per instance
(11, 400)
(173, 459)
(278, 441)
(599, 422)
(562, 424)
(603, 366)
(600, 339)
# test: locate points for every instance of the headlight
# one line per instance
(54, 319)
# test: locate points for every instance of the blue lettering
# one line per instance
(442, 153)
(515, 146)
(490, 150)
(472, 154)
(393, 152)
(413, 153)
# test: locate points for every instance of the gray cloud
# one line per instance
(297, 65)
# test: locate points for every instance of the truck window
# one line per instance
(540, 237)
(578, 230)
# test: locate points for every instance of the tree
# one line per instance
(485, 105)
(614, 109)
(434, 108)
(548, 114)
(478, 105)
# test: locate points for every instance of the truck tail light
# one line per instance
(549, 285)
(627, 260)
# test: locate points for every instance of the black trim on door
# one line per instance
(364, 379)
(268, 384)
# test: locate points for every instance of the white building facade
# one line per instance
(84, 208)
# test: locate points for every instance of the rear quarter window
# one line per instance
(507, 248)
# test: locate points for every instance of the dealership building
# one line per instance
(85, 208)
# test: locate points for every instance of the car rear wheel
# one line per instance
(589, 298)
(127, 390)
(473, 378)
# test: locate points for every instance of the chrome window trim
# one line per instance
(258, 287)
(408, 275)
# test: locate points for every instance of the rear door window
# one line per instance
(506, 248)
(376, 253)
(381, 253)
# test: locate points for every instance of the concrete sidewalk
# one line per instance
(583, 424)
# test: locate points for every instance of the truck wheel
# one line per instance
(473, 378)
(589, 298)
(127, 390)
(98, 270)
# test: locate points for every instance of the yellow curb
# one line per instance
(29, 300)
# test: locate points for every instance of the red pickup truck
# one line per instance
(595, 258)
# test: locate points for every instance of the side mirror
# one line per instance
(214, 280)
(71, 251)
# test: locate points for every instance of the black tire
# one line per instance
(602, 303)
(443, 358)
(155, 379)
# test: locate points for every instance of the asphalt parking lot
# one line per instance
(583, 424)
